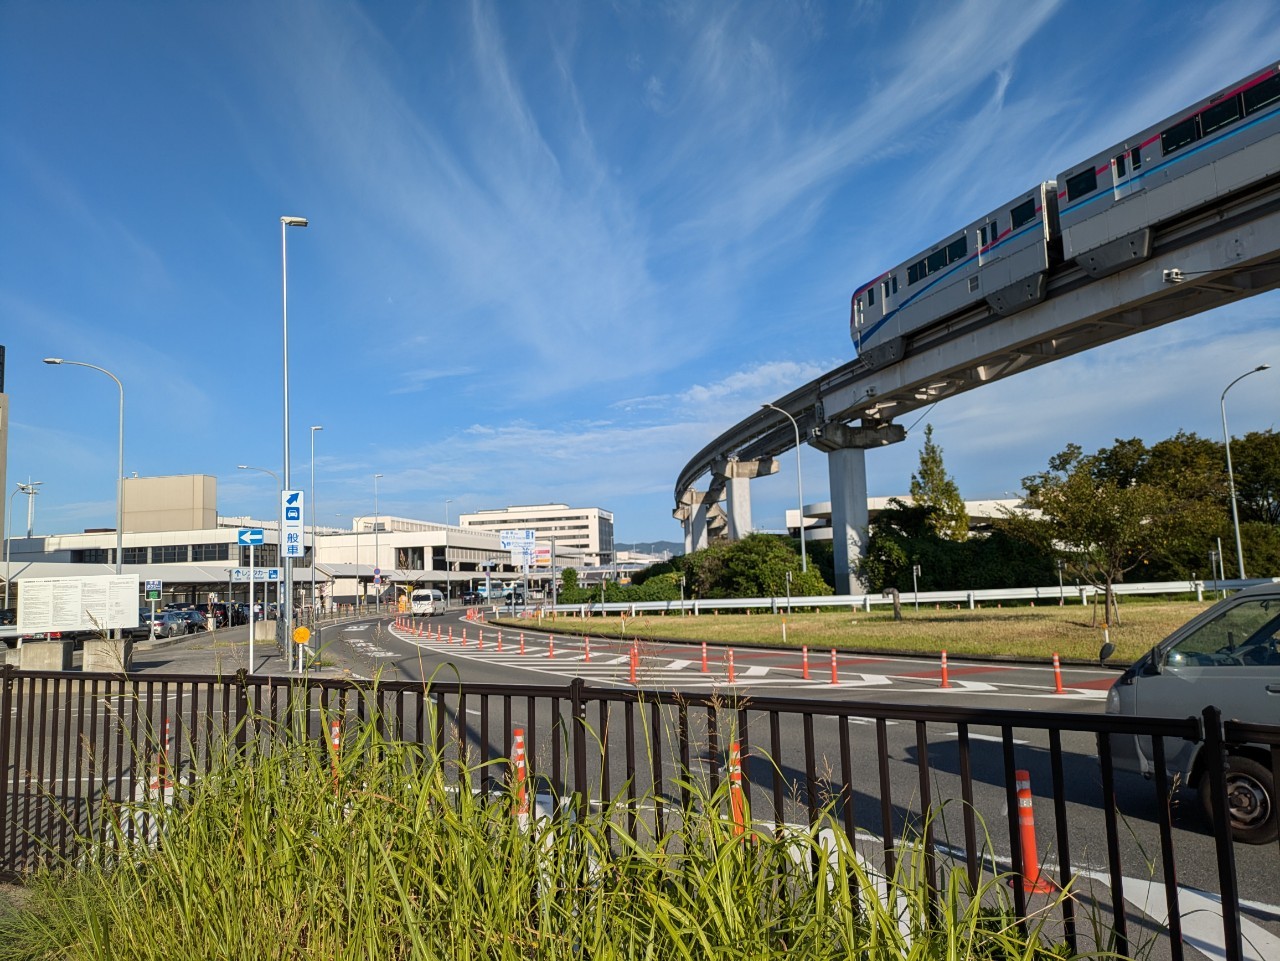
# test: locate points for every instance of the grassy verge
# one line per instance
(280, 855)
(1023, 632)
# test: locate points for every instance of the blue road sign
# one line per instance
(249, 536)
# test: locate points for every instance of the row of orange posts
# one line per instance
(412, 628)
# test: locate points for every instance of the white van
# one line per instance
(1228, 657)
(425, 602)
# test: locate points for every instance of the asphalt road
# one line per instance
(383, 649)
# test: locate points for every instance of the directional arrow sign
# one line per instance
(291, 507)
(249, 536)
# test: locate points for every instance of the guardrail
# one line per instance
(1074, 594)
(942, 778)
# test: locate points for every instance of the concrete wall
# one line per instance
(182, 502)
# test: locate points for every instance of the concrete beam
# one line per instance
(834, 436)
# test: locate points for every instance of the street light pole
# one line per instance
(804, 556)
(377, 578)
(1231, 480)
(286, 604)
(315, 552)
(8, 535)
(279, 547)
(448, 582)
(120, 460)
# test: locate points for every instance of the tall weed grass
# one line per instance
(390, 853)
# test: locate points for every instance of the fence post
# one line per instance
(7, 721)
(242, 707)
(579, 745)
(1215, 756)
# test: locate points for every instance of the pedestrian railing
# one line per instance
(1033, 795)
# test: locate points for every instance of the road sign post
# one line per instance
(250, 536)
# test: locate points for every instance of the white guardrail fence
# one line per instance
(1068, 594)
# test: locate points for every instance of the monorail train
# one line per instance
(1099, 213)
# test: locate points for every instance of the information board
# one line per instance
(102, 602)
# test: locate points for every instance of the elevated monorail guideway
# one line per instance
(1182, 218)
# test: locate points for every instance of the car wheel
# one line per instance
(1251, 800)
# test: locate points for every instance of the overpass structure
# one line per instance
(1212, 257)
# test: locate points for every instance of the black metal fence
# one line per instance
(944, 776)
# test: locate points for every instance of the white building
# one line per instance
(588, 530)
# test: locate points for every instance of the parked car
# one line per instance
(195, 620)
(1229, 657)
(168, 624)
(472, 597)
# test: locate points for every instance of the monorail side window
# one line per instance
(884, 289)
(1120, 165)
(1179, 135)
(1136, 156)
(871, 296)
(894, 278)
(1024, 213)
(1262, 94)
(1085, 182)
(957, 249)
(1219, 115)
(936, 260)
(916, 272)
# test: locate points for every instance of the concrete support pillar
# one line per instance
(738, 491)
(737, 475)
(847, 474)
(692, 514)
(846, 450)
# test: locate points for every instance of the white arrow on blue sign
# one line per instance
(249, 536)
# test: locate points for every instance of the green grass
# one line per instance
(274, 856)
(1006, 631)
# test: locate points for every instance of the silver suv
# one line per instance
(1228, 657)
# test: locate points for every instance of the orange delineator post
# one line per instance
(635, 660)
(586, 648)
(551, 645)
(835, 668)
(521, 775)
(704, 657)
(522, 642)
(480, 641)
(1032, 882)
(450, 633)
(499, 642)
(464, 637)
(737, 800)
(946, 682)
(1057, 676)
(732, 679)
(804, 655)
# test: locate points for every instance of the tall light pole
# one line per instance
(8, 534)
(120, 462)
(287, 602)
(1231, 480)
(315, 553)
(804, 556)
(448, 582)
(279, 538)
(377, 578)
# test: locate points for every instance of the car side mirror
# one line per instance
(1107, 650)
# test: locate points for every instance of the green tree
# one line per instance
(1107, 513)
(1255, 460)
(932, 488)
(755, 566)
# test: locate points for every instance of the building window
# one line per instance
(91, 555)
(210, 552)
(135, 555)
(169, 554)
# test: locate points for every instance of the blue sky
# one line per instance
(555, 248)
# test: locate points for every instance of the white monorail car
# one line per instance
(1099, 213)
(1002, 258)
(1110, 203)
